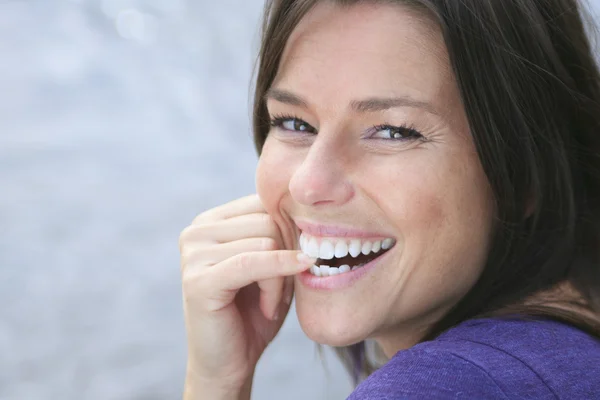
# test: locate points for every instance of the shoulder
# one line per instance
(503, 359)
(428, 371)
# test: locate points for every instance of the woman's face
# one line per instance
(370, 142)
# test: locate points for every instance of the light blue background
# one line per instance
(120, 120)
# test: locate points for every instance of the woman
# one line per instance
(429, 180)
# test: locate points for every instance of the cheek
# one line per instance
(441, 207)
(448, 218)
(273, 174)
(430, 193)
(409, 191)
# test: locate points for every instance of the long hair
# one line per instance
(531, 91)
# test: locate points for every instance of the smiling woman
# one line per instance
(373, 162)
(428, 180)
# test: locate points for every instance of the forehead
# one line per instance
(365, 50)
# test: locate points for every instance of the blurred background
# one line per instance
(121, 120)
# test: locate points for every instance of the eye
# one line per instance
(396, 133)
(292, 124)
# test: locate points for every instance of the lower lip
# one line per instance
(340, 281)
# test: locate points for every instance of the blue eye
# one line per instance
(292, 124)
(390, 132)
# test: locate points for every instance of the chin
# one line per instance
(331, 326)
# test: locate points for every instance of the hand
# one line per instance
(237, 282)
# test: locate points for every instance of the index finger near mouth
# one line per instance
(245, 205)
(251, 267)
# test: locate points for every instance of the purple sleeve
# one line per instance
(428, 374)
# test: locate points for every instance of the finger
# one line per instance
(288, 290)
(244, 226)
(207, 256)
(283, 307)
(244, 269)
(287, 294)
(271, 291)
(246, 205)
(217, 287)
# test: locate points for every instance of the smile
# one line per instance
(342, 255)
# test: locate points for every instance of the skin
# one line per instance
(239, 261)
(430, 195)
(235, 295)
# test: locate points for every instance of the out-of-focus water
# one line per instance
(120, 120)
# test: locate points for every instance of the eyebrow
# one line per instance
(371, 104)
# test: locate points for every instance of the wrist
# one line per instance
(198, 387)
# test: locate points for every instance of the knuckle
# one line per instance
(184, 264)
(186, 250)
(201, 218)
(188, 285)
(194, 234)
(186, 282)
(185, 256)
(183, 238)
(189, 232)
(194, 285)
(194, 257)
(197, 257)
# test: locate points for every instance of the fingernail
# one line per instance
(276, 315)
(304, 259)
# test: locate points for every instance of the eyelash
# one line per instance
(277, 121)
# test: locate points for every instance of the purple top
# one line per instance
(493, 359)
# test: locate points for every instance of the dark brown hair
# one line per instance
(531, 91)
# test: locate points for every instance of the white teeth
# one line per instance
(366, 248)
(341, 249)
(326, 250)
(315, 270)
(303, 242)
(376, 246)
(325, 270)
(312, 248)
(355, 248)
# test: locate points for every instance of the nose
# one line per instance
(322, 177)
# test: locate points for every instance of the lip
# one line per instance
(341, 281)
(321, 230)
